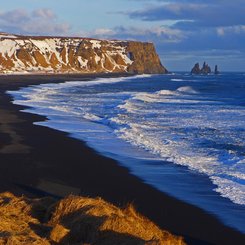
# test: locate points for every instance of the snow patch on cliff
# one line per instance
(44, 54)
(6, 35)
(7, 47)
(95, 44)
(83, 63)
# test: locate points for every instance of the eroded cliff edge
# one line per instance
(76, 55)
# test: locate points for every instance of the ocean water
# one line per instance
(182, 134)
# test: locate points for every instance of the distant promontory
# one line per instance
(35, 54)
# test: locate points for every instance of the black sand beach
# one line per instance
(38, 161)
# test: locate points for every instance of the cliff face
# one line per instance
(78, 55)
(145, 58)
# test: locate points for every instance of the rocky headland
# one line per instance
(33, 54)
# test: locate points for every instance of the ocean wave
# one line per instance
(187, 135)
(230, 189)
(177, 80)
(174, 149)
(166, 92)
(179, 125)
(187, 89)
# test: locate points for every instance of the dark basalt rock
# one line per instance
(204, 71)
(196, 69)
(216, 71)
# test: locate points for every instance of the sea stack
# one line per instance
(196, 69)
(204, 71)
(216, 71)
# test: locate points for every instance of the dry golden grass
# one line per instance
(75, 220)
(16, 221)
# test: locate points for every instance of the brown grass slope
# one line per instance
(75, 220)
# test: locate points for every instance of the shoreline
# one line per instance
(36, 159)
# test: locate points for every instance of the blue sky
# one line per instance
(184, 31)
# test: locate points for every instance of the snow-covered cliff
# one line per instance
(76, 55)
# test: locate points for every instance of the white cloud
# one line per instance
(14, 16)
(44, 13)
(41, 21)
(204, 14)
(172, 34)
(104, 32)
(238, 29)
(220, 31)
(165, 34)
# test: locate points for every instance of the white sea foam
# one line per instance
(187, 89)
(230, 189)
(155, 132)
(178, 125)
(177, 80)
(92, 117)
(166, 92)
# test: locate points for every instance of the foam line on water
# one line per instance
(180, 124)
(181, 149)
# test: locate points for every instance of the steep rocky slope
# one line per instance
(76, 55)
(75, 220)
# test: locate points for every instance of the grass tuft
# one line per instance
(76, 220)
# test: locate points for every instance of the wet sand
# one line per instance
(38, 161)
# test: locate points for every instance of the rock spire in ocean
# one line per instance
(216, 70)
(204, 70)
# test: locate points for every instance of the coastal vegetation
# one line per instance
(75, 220)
